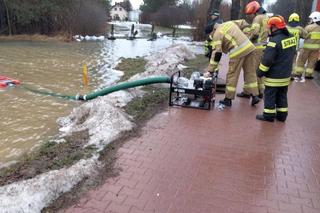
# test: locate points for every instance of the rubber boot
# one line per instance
(243, 95)
(262, 118)
(282, 117)
(255, 100)
(226, 102)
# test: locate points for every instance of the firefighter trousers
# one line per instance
(309, 56)
(276, 103)
(256, 61)
(294, 62)
(249, 73)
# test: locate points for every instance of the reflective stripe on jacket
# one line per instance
(259, 31)
(298, 32)
(276, 64)
(229, 39)
(313, 38)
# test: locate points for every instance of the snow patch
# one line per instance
(104, 121)
(88, 38)
(33, 195)
(128, 24)
(166, 61)
(188, 27)
(226, 2)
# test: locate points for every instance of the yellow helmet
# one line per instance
(294, 17)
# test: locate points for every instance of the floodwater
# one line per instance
(28, 119)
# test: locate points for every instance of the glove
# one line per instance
(212, 68)
(215, 73)
(260, 74)
(211, 71)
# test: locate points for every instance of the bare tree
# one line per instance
(169, 16)
(8, 17)
(285, 8)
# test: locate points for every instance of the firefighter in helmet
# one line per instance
(310, 49)
(258, 34)
(229, 39)
(276, 67)
(296, 30)
(213, 16)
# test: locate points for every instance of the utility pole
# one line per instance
(8, 17)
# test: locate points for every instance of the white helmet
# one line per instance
(315, 16)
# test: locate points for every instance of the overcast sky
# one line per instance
(270, 1)
(137, 3)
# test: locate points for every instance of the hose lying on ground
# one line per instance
(105, 91)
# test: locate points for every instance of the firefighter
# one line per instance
(258, 34)
(213, 16)
(229, 39)
(310, 49)
(276, 67)
(296, 30)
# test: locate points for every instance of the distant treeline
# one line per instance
(287, 7)
(236, 11)
(52, 17)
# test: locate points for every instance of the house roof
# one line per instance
(120, 4)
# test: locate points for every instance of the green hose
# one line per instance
(41, 92)
(122, 86)
(106, 91)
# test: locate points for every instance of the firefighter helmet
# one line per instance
(252, 7)
(294, 17)
(315, 16)
(276, 21)
(214, 12)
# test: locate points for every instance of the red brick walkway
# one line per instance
(199, 161)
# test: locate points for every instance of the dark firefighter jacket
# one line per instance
(276, 64)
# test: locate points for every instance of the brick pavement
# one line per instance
(209, 161)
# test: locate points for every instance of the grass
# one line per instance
(131, 66)
(36, 37)
(143, 108)
(197, 64)
(49, 156)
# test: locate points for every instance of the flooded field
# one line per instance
(28, 119)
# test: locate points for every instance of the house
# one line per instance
(118, 12)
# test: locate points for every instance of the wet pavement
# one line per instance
(209, 161)
(190, 160)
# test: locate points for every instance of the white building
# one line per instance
(134, 15)
(118, 13)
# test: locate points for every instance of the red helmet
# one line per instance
(252, 7)
(276, 21)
